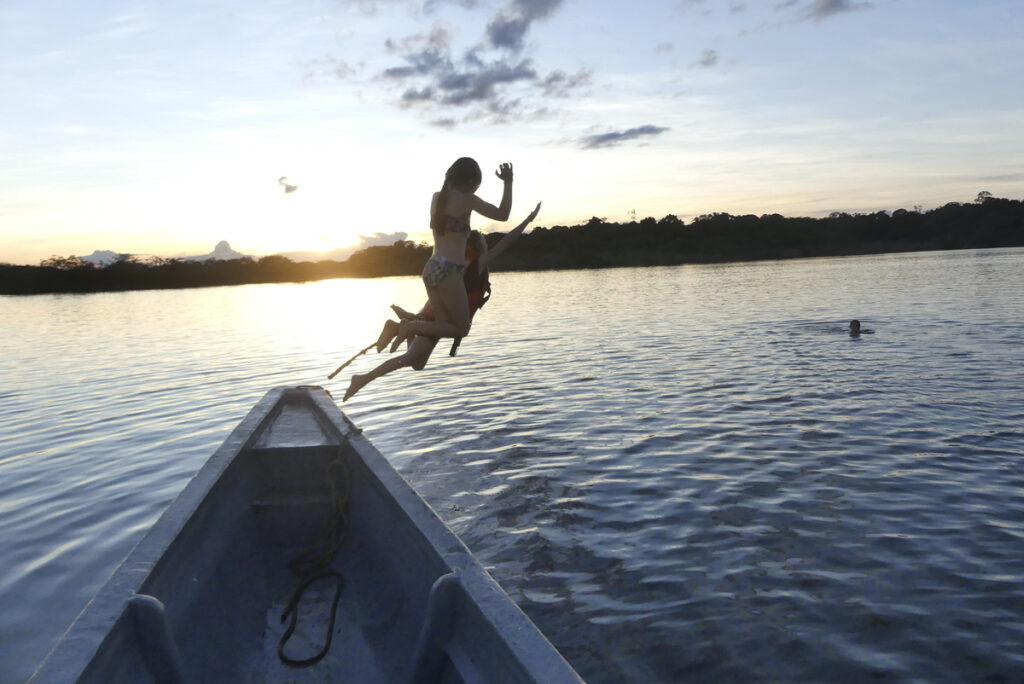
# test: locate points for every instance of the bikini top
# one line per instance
(454, 224)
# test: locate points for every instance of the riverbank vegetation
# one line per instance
(986, 222)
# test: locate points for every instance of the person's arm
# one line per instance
(500, 212)
(509, 238)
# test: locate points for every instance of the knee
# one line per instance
(462, 329)
(417, 361)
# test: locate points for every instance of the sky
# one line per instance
(163, 128)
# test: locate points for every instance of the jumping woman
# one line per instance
(449, 221)
(477, 281)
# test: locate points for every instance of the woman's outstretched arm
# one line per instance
(509, 238)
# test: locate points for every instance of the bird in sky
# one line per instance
(282, 181)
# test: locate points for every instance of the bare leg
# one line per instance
(400, 338)
(451, 311)
(387, 334)
(424, 348)
(392, 333)
(417, 355)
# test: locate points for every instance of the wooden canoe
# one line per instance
(201, 597)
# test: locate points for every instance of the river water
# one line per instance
(680, 474)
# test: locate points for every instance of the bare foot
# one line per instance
(387, 334)
(355, 384)
(402, 313)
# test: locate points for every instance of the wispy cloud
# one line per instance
(616, 137)
(685, 5)
(423, 53)
(798, 11)
(414, 7)
(330, 67)
(123, 26)
(562, 84)
(508, 27)
(708, 58)
(430, 6)
(823, 9)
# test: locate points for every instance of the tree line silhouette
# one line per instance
(987, 222)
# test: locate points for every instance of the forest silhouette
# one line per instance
(987, 222)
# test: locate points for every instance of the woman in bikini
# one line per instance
(421, 346)
(449, 221)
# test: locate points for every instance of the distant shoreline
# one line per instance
(714, 238)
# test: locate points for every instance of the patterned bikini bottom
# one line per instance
(438, 268)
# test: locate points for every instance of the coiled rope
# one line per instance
(312, 566)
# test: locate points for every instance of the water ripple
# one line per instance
(695, 476)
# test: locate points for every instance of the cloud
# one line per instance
(480, 84)
(343, 253)
(664, 47)
(560, 84)
(613, 138)
(471, 81)
(684, 5)
(123, 26)
(430, 6)
(823, 9)
(425, 7)
(484, 82)
(508, 27)
(380, 239)
(424, 53)
(330, 67)
(708, 58)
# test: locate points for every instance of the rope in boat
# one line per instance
(311, 566)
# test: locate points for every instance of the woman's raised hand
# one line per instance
(504, 172)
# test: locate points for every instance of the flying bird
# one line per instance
(287, 188)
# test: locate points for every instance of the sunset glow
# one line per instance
(163, 129)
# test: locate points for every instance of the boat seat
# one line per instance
(155, 641)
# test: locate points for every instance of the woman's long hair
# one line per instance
(465, 171)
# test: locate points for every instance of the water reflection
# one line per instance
(693, 476)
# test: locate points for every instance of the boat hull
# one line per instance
(201, 597)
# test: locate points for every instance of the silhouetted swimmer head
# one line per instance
(855, 327)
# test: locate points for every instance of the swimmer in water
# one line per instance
(856, 330)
